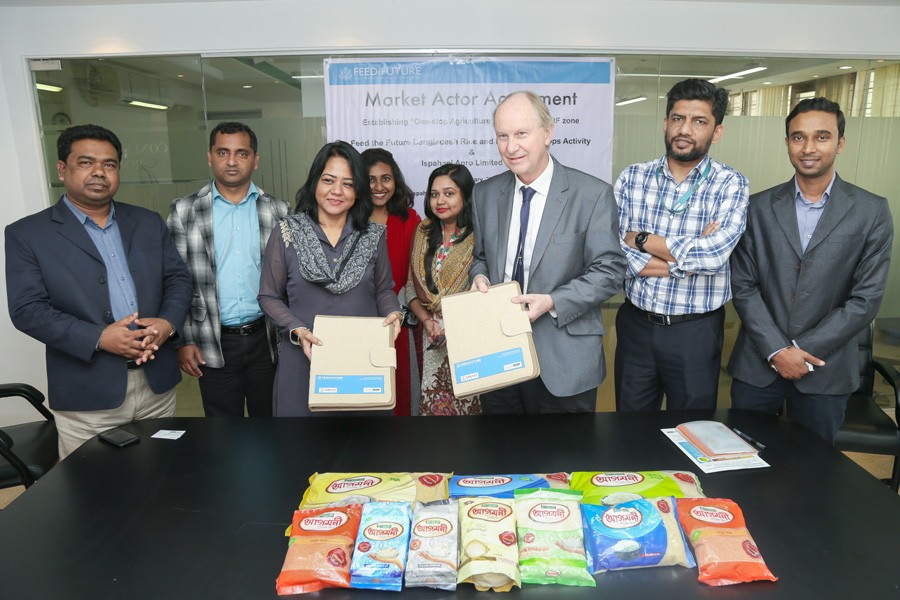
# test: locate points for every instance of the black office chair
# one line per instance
(866, 427)
(29, 449)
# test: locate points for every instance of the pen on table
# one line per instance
(748, 439)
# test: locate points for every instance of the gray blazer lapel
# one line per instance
(557, 198)
(504, 204)
(203, 214)
(786, 216)
(837, 207)
(74, 231)
(265, 211)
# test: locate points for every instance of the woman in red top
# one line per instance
(393, 200)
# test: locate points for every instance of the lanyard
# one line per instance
(681, 204)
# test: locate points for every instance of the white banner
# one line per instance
(436, 111)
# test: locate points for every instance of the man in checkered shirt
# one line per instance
(680, 216)
(221, 231)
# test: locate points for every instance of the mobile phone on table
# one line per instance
(119, 437)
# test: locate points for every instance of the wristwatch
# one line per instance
(641, 239)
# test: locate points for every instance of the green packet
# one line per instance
(551, 537)
(614, 487)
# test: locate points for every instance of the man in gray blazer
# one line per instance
(555, 231)
(807, 277)
(221, 231)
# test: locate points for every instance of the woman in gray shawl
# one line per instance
(326, 259)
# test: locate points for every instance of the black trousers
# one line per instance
(681, 360)
(248, 375)
(533, 397)
(823, 413)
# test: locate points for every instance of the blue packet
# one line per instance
(495, 486)
(633, 534)
(379, 556)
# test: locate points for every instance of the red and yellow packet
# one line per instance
(319, 550)
(339, 489)
(431, 487)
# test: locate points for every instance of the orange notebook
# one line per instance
(716, 440)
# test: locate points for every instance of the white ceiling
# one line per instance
(818, 2)
(637, 74)
(38, 3)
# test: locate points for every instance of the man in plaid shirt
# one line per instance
(680, 216)
(221, 231)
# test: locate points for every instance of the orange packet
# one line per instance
(319, 550)
(725, 551)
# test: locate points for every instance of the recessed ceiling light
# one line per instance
(815, 76)
(180, 76)
(845, 67)
(631, 101)
(737, 75)
(246, 87)
(152, 105)
(767, 83)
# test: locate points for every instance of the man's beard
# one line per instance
(695, 153)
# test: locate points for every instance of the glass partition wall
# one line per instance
(163, 107)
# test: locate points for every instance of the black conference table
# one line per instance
(204, 516)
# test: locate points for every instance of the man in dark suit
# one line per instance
(807, 277)
(555, 231)
(101, 284)
(221, 232)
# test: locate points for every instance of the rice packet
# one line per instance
(433, 549)
(726, 553)
(340, 489)
(551, 539)
(382, 542)
(556, 481)
(489, 557)
(611, 487)
(638, 533)
(318, 554)
(431, 487)
(495, 486)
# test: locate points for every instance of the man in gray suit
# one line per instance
(807, 277)
(555, 231)
(221, 232)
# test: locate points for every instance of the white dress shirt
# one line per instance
(541, 186)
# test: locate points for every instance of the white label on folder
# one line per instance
(349, 384)
(488, 365)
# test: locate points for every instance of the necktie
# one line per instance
(519, 265)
